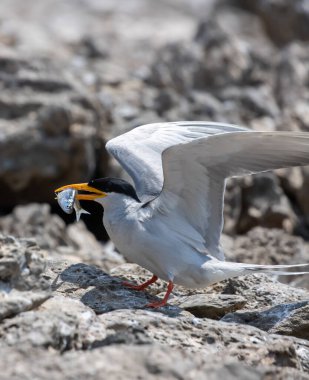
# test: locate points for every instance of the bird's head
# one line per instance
(100, 188)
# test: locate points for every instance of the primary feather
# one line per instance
(182, 168)
(139, 151)
(195, 173)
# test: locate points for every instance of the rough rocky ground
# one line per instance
(59, 311)
(72, 75)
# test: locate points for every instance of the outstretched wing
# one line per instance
(140, 151)
(195, 173)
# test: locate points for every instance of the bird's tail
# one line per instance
(282, 270)
(216, 270)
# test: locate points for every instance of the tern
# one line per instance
(170, 222)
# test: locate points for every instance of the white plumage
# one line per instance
(179, 172)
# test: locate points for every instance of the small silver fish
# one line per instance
(67, 201)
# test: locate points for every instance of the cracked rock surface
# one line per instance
(77, 312)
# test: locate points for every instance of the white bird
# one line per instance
(171, 222)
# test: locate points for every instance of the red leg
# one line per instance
(141, 286)
(162, 302)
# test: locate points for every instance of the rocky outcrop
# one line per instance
(22, 284)
(49, 130)
(283, 319)
(91, 310)
(74, 241)
(209, 305)
(284, 21)
(145, 361)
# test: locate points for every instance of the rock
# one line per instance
(164, 74)
(74, 242)
(148, 361)
(232, 205)
(61, 323)
(21, 264)
(291, 319)
(91, 310)
(290, 75)
(295, 181)
(210, 306)
(204, 104)
(92, 48)
(205, 335)
(36, 220)
(76, 326)
(49, 131)
(97, 289)
(23, 286)
(268, 246)
(300, 282)
(17, 302)
(292, 23)
(261, 290)
(264, 204)
(296, 324)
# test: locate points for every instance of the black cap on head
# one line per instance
(114, 185)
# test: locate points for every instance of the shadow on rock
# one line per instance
(102, 292)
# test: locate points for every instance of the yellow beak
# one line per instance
(95, 193)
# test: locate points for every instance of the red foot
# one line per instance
(141, 286)
(163, 302)
(155, 305)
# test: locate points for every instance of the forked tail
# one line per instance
(285, 270)
(216, 270)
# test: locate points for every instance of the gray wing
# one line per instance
(195, 173)
(139, 151)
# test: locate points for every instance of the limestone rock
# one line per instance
(284, 319)
(210, 306)
(271, 246)
(97, 289)
(21, 264)
(74, 242)
(49, 131)
(261, 290)
(292, 23)
(296, 324)
(268, 246)
(146, 361)
(263, 203)
(23, 286)
(17, 302)
(91, 310)
(61, 323)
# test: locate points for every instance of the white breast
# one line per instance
(154, 243)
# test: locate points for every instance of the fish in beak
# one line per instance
(89, 193)
(68, 197)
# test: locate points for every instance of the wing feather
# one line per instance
(195, 173)
(139, 151)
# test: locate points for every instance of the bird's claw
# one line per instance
(132, 286)
(142, 286)
(155, 305)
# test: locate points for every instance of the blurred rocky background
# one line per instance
(75, 73)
